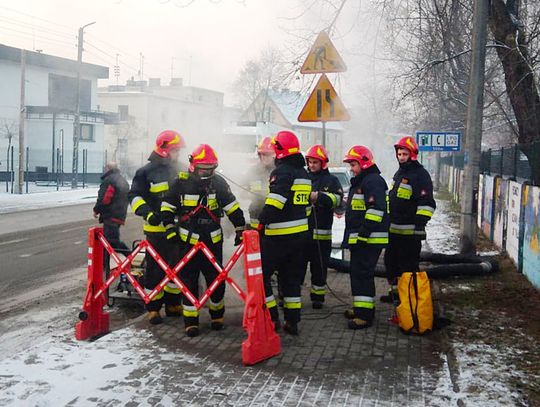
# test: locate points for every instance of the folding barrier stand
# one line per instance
(262, 342)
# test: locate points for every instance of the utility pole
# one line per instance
(22, 114)
(77, 119)
(473, 141)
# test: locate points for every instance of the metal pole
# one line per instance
(473, 141)
(57, 169)
(324, 134)
(26, 175)
(62, 156)
(22, 113)
(77, 119)
(8, 173)
(53, 149)
(12, 173)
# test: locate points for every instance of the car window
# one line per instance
(344, 178)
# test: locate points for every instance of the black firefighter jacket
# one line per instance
(411, 200)
(199, 204)
(112, 201)
(366, 217)
(329, 197)
(285, 208)
(149, 186)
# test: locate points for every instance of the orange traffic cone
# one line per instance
(262, 342)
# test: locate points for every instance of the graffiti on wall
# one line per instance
(499, 212)
(531, 234)
(480, 200)
(512, 228)
(487, 206)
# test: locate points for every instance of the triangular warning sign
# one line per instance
(323, 105)
(323, 57)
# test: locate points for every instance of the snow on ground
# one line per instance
(113, 370)
(37, 198)
(483, 378)
(442, 230)
(123, 366)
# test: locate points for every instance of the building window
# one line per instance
(123, 113)
(87, 132)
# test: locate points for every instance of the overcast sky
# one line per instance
(206, 43)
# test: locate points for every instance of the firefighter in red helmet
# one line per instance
(285, 229)
(198, 201)
(411, 206)
(366, 232)
(150, 184)
(326, 195)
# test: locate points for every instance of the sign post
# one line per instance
(323, 104)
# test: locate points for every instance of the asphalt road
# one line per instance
(51, 241)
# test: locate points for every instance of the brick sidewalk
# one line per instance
(326, 365)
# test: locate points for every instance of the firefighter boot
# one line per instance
(317, 304)
(173, 310)
(192, 331)
(349, 314)
(217, 324)
(291, 328)
(391, 297)
(154, 318)
(358, 323)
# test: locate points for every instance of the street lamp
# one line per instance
(77, 119)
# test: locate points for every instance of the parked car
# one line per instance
(344, 176)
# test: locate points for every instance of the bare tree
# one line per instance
(518, 37)
(8, 129)
(258, 76)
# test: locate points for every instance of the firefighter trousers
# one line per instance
(401, 255)
(190, 276)
(284, 254)
(364, 258)
(317, 257)
(171, 294)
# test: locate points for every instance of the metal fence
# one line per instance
(508, 161)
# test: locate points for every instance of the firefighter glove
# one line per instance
(153, 218)
(173, 237)
(363, 232)
(238, 238)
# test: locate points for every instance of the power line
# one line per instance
(34, 37)
(38, 18)
(36, 27)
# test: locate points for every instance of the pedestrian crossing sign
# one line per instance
(323, 57)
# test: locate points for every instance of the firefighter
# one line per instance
(199, 200)
(258, 184)
(149, 186)
(326, 195)
(285, 229)
(366, 232)
(411, 207)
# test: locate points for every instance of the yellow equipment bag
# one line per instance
(415, 312)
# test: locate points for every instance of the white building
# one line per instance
(146, 108)
(277, 110)
(50, 95)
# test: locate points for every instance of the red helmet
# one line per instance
(167, 141)
(285, 143)
(318, 152)
(203, 156)
(265, 147)
(408, 143)
(362, 155)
